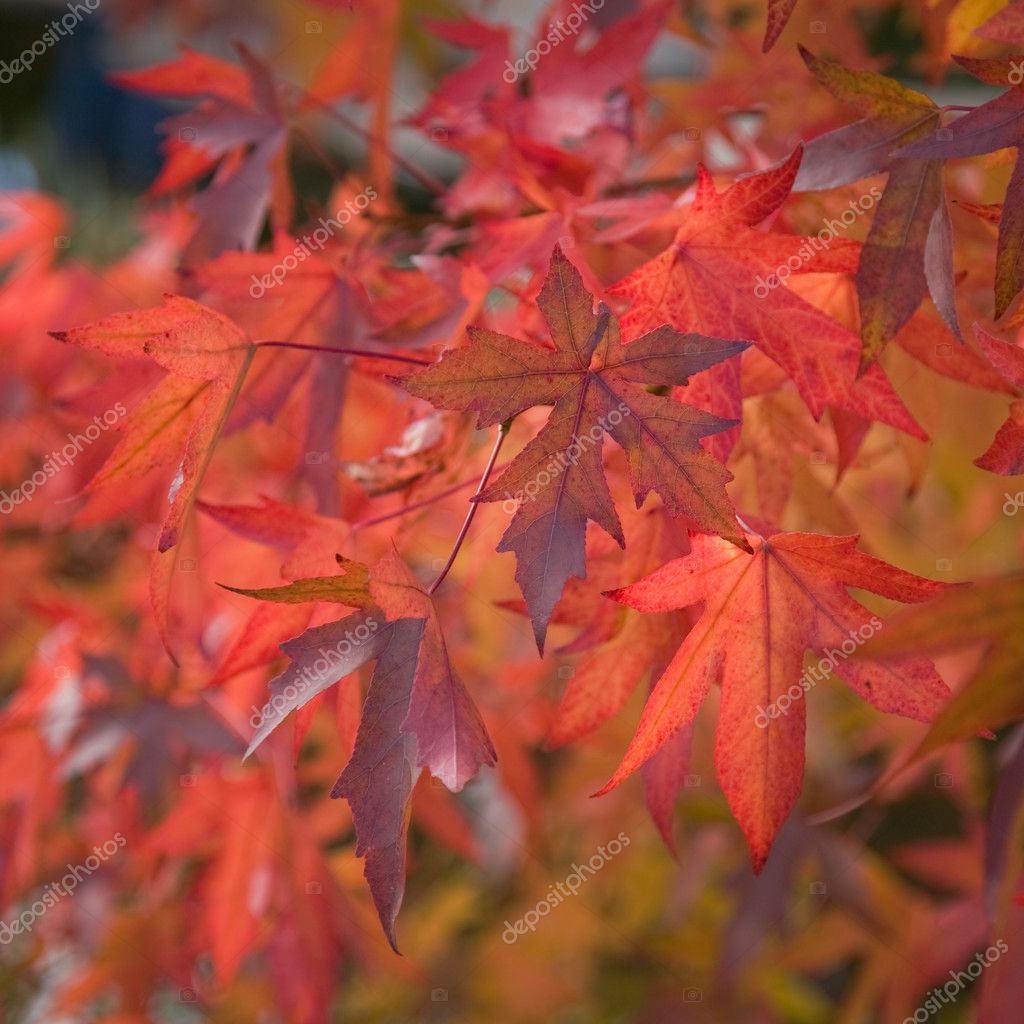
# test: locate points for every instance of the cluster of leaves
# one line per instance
(615, 255)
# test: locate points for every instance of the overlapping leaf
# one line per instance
(597, 386)
(1006, 453)
(721, 277)
(908, 251)
(779, 13)
(997, 124)
(763, 611)
(177, 425)
(238, 127)
(417, 713)
(991, 614)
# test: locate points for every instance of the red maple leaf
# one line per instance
(596, 386)
(763, 611)
(417, 712)
(721, 277)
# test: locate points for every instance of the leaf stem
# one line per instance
(322, 155)
(343, 352)
(502, 431)
(428, 181)
(414, 506)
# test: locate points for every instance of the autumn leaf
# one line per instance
(159, 734)
(350, 589)
(619, 652)
(660, 221)
(596, 386)
(1006, 453)
(239, 128)
(988, 613)
(763, 611)
(417, 712)
(719, 278)
(908, 251)
(996, 124)
(965, 19)
(177, 425)
(309, 544)
(1006, 25)
(779, 12)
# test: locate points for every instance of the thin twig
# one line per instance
(415, 506)
(323, 156)
(364, 353)
(428, 181)
(502, 431)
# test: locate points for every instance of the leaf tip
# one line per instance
(740, 540)
(867, 360)
(806, 55)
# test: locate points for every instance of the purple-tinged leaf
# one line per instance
(378, 780)
(938, 266)
(994, 125)
(848, 154)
